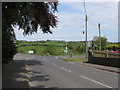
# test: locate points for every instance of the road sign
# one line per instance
(30, 52)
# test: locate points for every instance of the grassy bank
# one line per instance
(73, 59)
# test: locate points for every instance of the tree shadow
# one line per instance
(31, 72)
(39, 78)
(34, 62)
(14, 75)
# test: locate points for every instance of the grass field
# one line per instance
(41, 43)
(53, 47)
(39, 49)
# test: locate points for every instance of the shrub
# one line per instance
(8, 47)
(50, 50)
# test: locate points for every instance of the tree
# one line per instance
(96, 42)
(114, 47)
(50, 50)
(29, 16)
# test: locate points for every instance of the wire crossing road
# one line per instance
(50, 72)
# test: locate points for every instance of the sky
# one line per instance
(71, 16)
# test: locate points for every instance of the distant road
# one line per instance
(49, 72)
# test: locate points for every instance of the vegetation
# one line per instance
(8, 47)
(73, 59)
(104, 44)
(50, 50)
(29, 16)
(51, 47)
(40, 43)
(96, 43)
(114, 47)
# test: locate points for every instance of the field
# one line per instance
(41, 43)
(51, 47)
(39, 49)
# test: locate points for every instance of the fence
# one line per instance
(102, 58)
(105, 54)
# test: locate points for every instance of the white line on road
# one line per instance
(65, 69)
(95, 81)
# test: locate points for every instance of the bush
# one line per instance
(50, 50)
(20, 51)
(8, 47)
(113, 47)
(79, 49)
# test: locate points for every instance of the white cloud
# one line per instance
(71, 24)
(89, 0)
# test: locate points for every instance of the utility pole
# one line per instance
(86, 36)
(99, 37)
(86, 42)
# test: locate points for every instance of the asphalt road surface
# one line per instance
(50, 72)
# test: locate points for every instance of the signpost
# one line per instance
(66, 50)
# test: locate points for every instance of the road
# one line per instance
(50, 72)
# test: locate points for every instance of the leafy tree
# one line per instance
(50, 50)
(29, 16)
(114, 47)
(96, 42)
(8, 47)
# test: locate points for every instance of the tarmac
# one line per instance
(101, 67)
(14, 74)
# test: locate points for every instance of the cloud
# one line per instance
(88, 0)
(72, 19)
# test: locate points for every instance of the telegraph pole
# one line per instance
(86, 42)
(86, 36)
(99, 37)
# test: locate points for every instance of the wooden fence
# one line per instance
(104, 58)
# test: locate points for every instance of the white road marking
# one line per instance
(95, 81)
(65, 69)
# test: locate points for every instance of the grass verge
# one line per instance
(73, 59)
